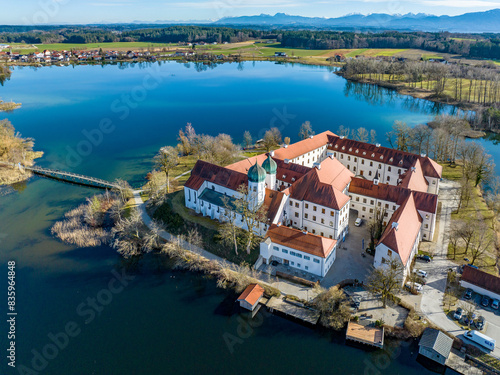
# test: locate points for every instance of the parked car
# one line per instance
(495, 304)
(468, 294)
(466, 319)
(358, 222)
(479, 323)
(356, 300)
(421, 273)
(473, 266)
(458, 314)
(426, 258)
(485, 301)
(414, 287)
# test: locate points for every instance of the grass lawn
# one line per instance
(476, 209)
(207, 228)
(77, 46)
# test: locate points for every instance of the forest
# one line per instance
(468, 45)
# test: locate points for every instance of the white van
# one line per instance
(481, 339)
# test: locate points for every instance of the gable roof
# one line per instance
(481, 279)
(300, 148)
(423, 201)
(290, 172)
(401, 237)
(251, 294)
(244, 165)
(272, 200)
(310, 188)
(437, 341)
(334, 173)
(204, 171)
(301, 241)
(414, 179)
(396, 158)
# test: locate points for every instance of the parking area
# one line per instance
(491, 315)
(371, 308)
(352, 261)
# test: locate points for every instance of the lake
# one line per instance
(108, 122)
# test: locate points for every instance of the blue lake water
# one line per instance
(108, 122)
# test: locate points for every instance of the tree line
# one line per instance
(467, 45)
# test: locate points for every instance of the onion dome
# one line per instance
(256, 173)
(270, 165)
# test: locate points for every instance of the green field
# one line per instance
(105, 46)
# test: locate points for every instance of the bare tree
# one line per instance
(385, 281)
(399, 136)
(481, 242)
(228, 230)
(287, 141)
(247, 139)
(343, 131)
(272, 139)
(373, 136)
(470, 309)
(306, 130)
(334, 308)
(166, 160)
(362, 134)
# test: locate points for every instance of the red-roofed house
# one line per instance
(251, 296)
(401, 238)
(298, 249)
(481, 282)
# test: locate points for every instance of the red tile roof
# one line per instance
(204, 171)
(423, 201)
(384, 155)
(481, 279)
(244, 165)
(402, 237)
(334, 173)
(272, 201)
(310, 188)
(291, 171)
(298, 240)
(251, 294)
(414, 179)
(300, 148)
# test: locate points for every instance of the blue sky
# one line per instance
(92, 11)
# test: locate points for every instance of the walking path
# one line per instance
(285, 287)
(437, 270)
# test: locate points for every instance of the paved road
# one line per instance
(284, 286)
(433, 292)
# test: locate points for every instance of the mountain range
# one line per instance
(477, 22)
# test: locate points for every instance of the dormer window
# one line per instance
(364, 152)
(401, 162)
(350, 149)
(343, 147)
(357, 151)
(373, 155)
(391, 160)
(336, 146)
(381, 157)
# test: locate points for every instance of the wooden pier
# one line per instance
(365, 335)
(293, 309)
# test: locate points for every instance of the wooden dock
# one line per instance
(294, 310)
(365, 335)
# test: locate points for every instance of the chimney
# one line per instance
(311, 136)
(377, 144)
(423, 155)
(279, 224)
(287, 161)
(341, 137)
(304, 232)
(317, 166)
(395, 225)
(286, 146)
(271, 153)
(413, 169)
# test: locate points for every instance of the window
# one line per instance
(306, 215)
(333, 213)
(379, 204)
(356, 159)
(298, 265)
(386, 205)
(357, 199)
(399, 171)
(284, 251)
(296, 214)
(276, 248)
(426, 226)
(322, 210)
(292, 263)
(389, 169)
(364, 208)
(362, 161)
(292, 252)
(314, 218)
(364, 200)
(349, 158)
(394, 208)
(307, 205)
(296, 205)
(291, 203)
(388, 178)
(298, 255)
(372, 202)
(306, 267)
(314, 231)
(426, 216)
(322, 234)
(305, 228)
(331, 223)
(371, 164)
(369, 173)
(316, 260)
(307, 257)
(371, 210)
(322, 221)
(314, 208)
(389, 253)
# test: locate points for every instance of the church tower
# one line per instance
(270, 167)
(256, 184)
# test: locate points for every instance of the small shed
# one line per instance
(435, 345)
(251, 296)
